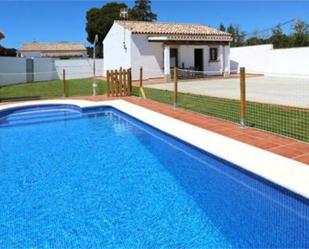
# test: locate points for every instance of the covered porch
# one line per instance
(195, 56)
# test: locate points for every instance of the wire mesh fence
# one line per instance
(152, 88)
(278, 104)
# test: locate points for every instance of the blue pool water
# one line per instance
(99, 178)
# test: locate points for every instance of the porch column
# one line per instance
(221, 59)
(226, 64)
(167, 67)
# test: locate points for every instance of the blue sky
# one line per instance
(54, 21)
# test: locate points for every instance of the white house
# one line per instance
(158, 47)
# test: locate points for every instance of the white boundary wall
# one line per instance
(264, 59)
(79, 68)
(44, 69)
(13, 69)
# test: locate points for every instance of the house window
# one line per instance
(213, 54)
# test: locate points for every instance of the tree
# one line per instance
(298, 38)
(240, 37)
(237, 35)
(279, 39)
(231, 30)
(255, 40)
(222, 27)
(100, 20)
(8, 51)
(142, 11)
(300, 35)
(89, 51)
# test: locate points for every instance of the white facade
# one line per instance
(148, 55)
(186, 56)
(155, 56)
(264, 59)
(117, 48)
(30, 54)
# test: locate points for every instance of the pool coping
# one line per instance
(288, 173)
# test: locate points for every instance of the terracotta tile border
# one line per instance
(280, 145)
(284, 146)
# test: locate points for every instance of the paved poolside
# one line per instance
(273, 90)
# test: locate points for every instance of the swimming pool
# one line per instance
(99, 178)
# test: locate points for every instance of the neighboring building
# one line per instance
(158, 47)
(53, 50)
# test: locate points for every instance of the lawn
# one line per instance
(50, 89)
(286, 121)
(291, 122)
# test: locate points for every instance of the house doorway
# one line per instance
(198, 59)
(173, 57)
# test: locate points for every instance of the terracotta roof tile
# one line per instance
(138, 27)
(35, 46)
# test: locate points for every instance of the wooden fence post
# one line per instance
(120, 82)
(64, 93)
(242, 96)
(175, 87)
(117, 82)
(107, 83)
(130, 81)
(113, 87)
(141, 77)
(141, 89)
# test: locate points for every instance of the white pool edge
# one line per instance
(283, 171)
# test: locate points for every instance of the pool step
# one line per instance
(31, 117)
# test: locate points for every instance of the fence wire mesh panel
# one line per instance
(279, 104)
(150, 89)
(83, 87)
(47, 85)
(276, 104)
(227, 109)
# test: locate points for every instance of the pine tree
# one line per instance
(222, 27)
(300, 36)
(237, 35)
(99, 22)
(142, 11)
(279, 39)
